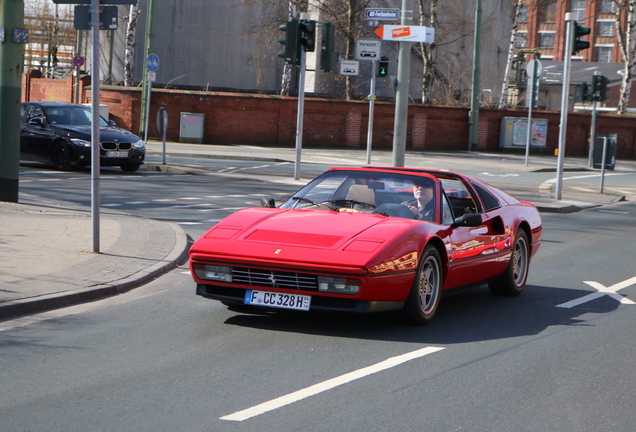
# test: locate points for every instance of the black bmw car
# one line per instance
(60, 134)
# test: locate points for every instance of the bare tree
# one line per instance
(129, 55)
(503, 100)
(624, 35)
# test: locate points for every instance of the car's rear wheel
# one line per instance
(62, 157)
(130, 167)
(513, 280)
(425, 294)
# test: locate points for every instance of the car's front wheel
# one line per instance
(62, 157)
(513, 280)
(426, 292)
(130, 167)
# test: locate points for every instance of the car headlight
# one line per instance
(80, 142)
(213, 272)
(139, 145)
(338, 285)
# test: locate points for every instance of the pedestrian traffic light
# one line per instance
(307, 33)
(290, 42)
(328, 57)
(577, 43)
(383, 67)
(599, 87)
(585, 92)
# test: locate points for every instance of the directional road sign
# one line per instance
(406, 33)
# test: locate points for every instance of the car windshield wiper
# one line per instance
(314, 203)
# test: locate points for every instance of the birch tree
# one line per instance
(129, 54)
(624, 36)
(503, 101)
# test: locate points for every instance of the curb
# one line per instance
(176, 257)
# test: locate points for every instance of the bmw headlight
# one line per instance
(213, 272)
(139, 145)
(80, 142)
(338, 285)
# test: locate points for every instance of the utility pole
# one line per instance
(402, 91)
(473, 120)
(146, 84)
(11, 65)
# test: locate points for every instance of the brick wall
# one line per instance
(234, 118)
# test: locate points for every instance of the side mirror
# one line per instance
(468, 220)
(112, 123)
(37, 121)
(268, 203)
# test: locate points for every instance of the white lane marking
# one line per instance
(602, 291)
(499, 175)
(328, 385)
(613, 212)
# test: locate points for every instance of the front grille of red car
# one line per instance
(274, 279)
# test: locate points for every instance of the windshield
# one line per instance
(71, 116)
(390, 194)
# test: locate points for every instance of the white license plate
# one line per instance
(277, 300)
(117, 154)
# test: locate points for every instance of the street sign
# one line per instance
(107, 18)
(78, 61)
(349, 67)
(406, 33)
(368, 49)
(382, 14)
(152, 62)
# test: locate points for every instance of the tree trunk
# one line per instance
(129, 55)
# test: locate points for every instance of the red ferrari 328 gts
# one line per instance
(370, 239)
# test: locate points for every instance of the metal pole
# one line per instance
(474, 100)
(148, 95)
(590, 158)
(144, 86)
(371, 106)
(564, 103)
(533, 83)
(299, 115)
(402, 91)
(11, 61)
(95, 141)
(603, 163)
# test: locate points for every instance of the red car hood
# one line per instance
(293, 236)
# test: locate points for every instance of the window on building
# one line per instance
(546, 39)
(604, 54)
(605, 28)
(521, 39)
(547, 11)
(608, 6)
(578, 9)
(523, 18)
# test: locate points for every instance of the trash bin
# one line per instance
(610, 153)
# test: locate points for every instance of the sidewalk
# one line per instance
(46, 258)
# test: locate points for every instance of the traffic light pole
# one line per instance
(11, 54)
(371, 107)
(300, 113)
(564, 103)
(402, 90)
(95, 138)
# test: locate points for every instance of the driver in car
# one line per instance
(423, 205)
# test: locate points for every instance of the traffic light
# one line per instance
(599, 87)
(584, 92)
(307, 32)
(290, 42)
(328, 57)
(577, 43)
(383, 67)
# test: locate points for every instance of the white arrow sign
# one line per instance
(406, 33)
